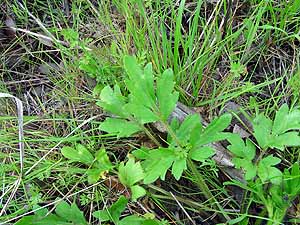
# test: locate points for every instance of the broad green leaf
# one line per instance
(102, 160)
(78, 154)
(137, 192)
(201, 154)
(137, 220)
(120, 127)
(278, 134)
(140, 83)
(112, 101)
(102, 215)
(219, 123)
(94, 175)
(285, 140)
(240, 149)
(178, 167)
(132, 220)
(262, 127)
(267, 172)
(249, 167)
(70, 213)
(130, 173)
(140, 112)
(48, 220)
(157, 164)
(285, 120)
(114, 212)
(213, 132)
(167, 97)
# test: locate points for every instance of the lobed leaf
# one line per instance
(112, 101)
(130, 173)
(266, 170)
(202, 153)
(78, 154)
(190, 123)
(120, 127)
(166, 96)
(262, 127)
(157, 164)
(70, 213)
(213, 132)
(113, 213)
(285, 120)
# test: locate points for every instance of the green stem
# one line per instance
(151, 136)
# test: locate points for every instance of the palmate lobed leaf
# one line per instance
(278, 134)
(241, 149)
(262, 127)
(65, 215)
(191, 123)
(286, 120)
(287, 139)
(130, 173)
(248, 166)
(156, 163)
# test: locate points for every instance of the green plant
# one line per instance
(98, 164)
(188, 142)
(113, 214)
(266, 183)
(65, 214)
(131, 173)
(147, 103)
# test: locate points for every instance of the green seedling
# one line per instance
(129, 175)
(98, 164)
(113, 214)
(262, 173)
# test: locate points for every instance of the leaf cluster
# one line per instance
(98, 164)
